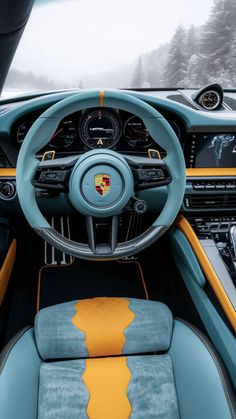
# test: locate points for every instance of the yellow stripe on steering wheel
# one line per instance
(102, 98)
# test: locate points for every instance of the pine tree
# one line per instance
(192, 45)
(138, 77)
(216, 40)
(231, 63)
(193, 76)
(176, 65)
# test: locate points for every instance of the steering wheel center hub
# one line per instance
(101, 184)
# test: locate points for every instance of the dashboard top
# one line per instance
(208, 138)
(112, 128)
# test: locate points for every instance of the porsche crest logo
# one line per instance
(102, 183)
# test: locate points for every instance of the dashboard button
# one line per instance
(210, 186)
(230, 186)
(198, 186)
(220, 186)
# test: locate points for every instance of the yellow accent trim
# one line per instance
(151, 150)
(103, 320)
(211, 172)
(107, 380)
(102, 98)
(183, 225)
(6, 269)
(50, 153)
(11, 172)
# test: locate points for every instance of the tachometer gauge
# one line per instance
(65, 134)
(23, 130)
(136, 133)
(100, 128)
(210, 100)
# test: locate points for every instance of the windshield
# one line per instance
(127, 43)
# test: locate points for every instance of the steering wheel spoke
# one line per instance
(111, 233)
(148, 172)
(54, 174)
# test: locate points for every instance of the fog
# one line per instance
(66, 40)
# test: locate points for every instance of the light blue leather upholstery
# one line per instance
(19, 378)
(184, 381)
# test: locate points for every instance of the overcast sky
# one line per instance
(76, 37)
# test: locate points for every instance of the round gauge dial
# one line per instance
(65, 134)
(210, 100)
(100, 128)
(22, 130)
(136, 133)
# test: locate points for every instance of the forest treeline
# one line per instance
(194, 56)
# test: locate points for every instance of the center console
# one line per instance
(221, 231)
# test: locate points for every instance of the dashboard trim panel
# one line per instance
(8, 172)
(214, 171)
(208, 172)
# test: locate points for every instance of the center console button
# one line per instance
(214, 226)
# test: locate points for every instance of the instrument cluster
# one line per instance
(95, 128)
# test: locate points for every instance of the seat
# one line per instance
(112, 358)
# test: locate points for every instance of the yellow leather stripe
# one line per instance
(103, 320)
(196, 172)
(102, 98)
(183, 225)
(107, 380)
(6, 269)
(11, 172)
(211, 172)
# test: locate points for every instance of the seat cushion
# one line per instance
(119, 387)
(103, 327)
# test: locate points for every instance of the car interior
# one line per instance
(117, 248)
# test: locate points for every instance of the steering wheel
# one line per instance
(101, 182)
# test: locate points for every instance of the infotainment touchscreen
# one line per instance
(212, 150)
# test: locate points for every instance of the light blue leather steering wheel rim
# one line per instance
(42, 130)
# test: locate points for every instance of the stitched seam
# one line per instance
(221, 369)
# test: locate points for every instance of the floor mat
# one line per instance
(85, 279)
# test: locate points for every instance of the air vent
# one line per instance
(210, 201)
(231, 201)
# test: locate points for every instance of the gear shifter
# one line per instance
(232, 236)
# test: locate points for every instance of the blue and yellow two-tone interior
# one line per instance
(117, 237)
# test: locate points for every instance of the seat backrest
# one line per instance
(103, 327)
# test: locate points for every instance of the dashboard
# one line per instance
(95, 128)
(208, 140)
